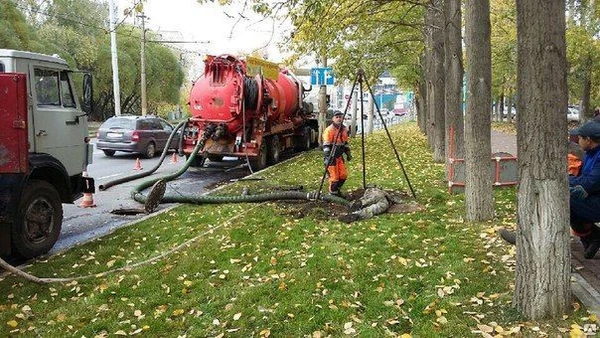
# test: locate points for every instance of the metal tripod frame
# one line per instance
(359, 79)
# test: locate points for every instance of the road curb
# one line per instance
(586, 294)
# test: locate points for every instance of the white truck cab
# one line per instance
(44, 149)
(57, 123)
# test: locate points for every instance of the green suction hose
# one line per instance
(109, 184)
(206, 199)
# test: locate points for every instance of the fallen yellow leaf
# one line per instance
(485, 328)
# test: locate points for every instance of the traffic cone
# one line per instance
(88, 197)
(88, 201)
(174, 159)
(138, 164)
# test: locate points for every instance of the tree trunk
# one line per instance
(502, 101)
(497, 109)
(421, 97)
(478, 183)
(509, 107)
(584, 109)
(454, 80)
(500, 107)
(438, 97)
(429, 72)
(585, 113)
(542, 287)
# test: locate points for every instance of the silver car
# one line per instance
(146, 135)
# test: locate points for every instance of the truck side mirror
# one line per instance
(88, 94)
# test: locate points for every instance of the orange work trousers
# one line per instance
(337, 174)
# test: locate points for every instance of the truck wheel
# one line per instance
(150, 150)
(307, 138)
(259, 162)
(273, 150)
(109, 153)
(215, 158)
(198, 161)
(39, 220)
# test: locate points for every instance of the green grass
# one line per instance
(255, 270)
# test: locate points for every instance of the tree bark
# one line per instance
(429, 73)
(510, 110)
(542, 287)
(500, 107)
(453, 65)
(421, 97)
(584, 108)
(478, 183)
(585, 113)
(438, 78)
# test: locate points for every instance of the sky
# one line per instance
(222, 28)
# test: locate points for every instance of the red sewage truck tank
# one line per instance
(253, 109)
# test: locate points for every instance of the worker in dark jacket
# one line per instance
(584, 192)
(335, 144)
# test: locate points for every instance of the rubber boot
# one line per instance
(585, 241)
(586, 238)
(334, 188)
(594, 245)
(340, 184)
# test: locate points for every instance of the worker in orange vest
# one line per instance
(335, 144)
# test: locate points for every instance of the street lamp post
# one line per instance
(143, 65)
(114, 58)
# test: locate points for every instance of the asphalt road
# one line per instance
(84, 224)
(81, 225)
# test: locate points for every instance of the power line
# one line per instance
(71, 20)
(128, 10)
(176, 41)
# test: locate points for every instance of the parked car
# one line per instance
(400, 109)
(146, 135)
(573, 114)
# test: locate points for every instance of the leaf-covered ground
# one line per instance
(291, 269)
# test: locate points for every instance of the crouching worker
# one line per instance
(335, 144)
(374, 201)
(584, 190)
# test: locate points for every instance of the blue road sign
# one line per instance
(321, 76)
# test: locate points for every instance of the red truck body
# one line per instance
(254, 116)
(13, 130)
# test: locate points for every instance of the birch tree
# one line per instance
(542, 286)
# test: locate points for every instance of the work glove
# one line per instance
(348, 154)
(327, 158)
(577, 192)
